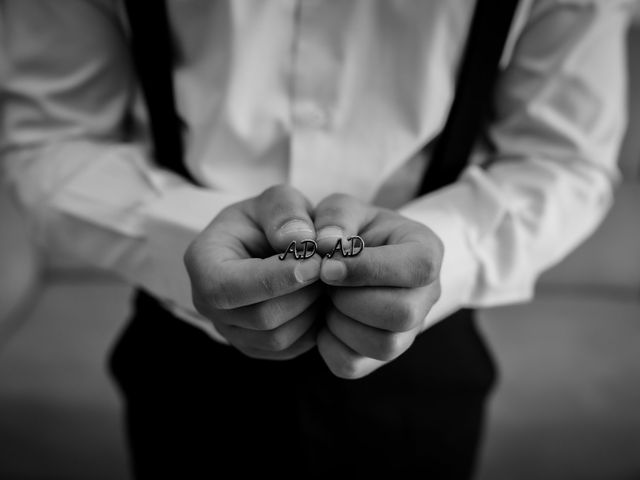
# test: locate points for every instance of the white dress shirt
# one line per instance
(328, 96)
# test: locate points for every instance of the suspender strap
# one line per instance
(152, 50)
(474, 91)
(152, 47)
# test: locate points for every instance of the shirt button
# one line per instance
(312, 115)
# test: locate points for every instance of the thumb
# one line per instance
(339, 217)
(284, 215)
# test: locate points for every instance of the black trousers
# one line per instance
(195, 408)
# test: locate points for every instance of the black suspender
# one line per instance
(151, 42)
(151, 48)
(485, 42)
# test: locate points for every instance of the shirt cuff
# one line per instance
(171, 224)
(465, 215)
(107, 207)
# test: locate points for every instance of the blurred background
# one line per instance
(567, 405)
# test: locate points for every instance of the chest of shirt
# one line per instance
(325, 95)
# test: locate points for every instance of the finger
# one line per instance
(235, 283)
(368, 341)
(271, 314)
(387, 308)
(303, 344)
(232, 234)
(284, 215)
(342, 360)
(339, 216)
(276, 340)
(412, 264)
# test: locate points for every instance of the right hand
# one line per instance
(263, 306)
(379, 299)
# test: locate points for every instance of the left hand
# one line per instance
(264, 307)
(379, 298)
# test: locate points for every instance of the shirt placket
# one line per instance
(312, 101)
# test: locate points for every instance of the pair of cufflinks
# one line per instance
(308, 248)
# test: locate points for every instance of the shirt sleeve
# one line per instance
(89, 190)
(546, 179)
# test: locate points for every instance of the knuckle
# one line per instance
(436, 291)
(276, 342)
(274, 192)
(438, 246)
(338, 198)
(189, 257)
(279, 190)
(218, 300)
(208, 291)
(202, 306)
(261, 323)
(345, 369)
(422, 271)
(404, 316)
(219, 295)
(192, 261)
(367, 271)
(333, 212)
(277, 200)
(227, 331)
(333, 205)
(389, 346)
(268, 316)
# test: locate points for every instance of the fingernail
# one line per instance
(306, 271)
(333, 270)
(330, 232)
(296, 226)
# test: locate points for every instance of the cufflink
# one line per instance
(356, 245)
(308, 250)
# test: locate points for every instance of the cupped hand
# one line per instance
(380, 297)
(263, 306)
